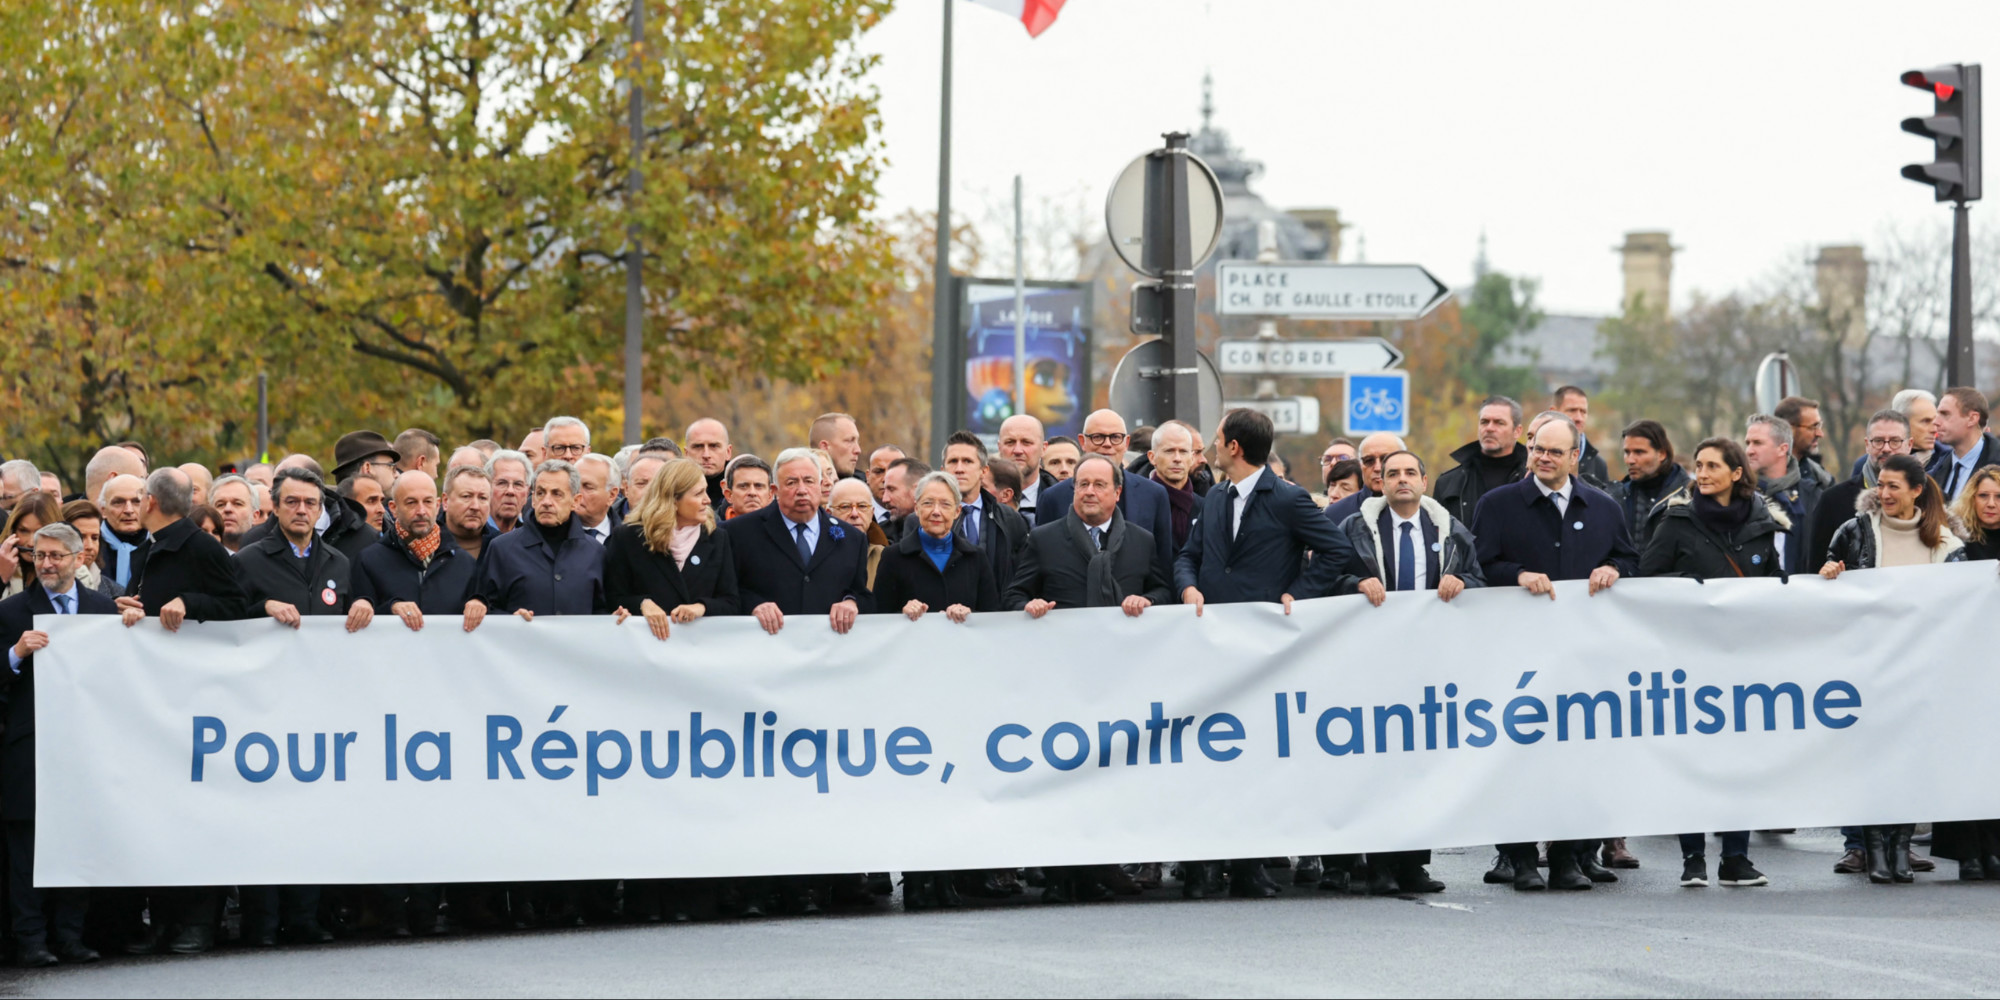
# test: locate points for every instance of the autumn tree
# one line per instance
(416, 213)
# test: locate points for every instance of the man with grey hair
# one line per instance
(507, 471)
(1919, 407)
(792, 558)
(549, 567)
(1888, 436)
(48, 923)
(235, 498)
(187, 574)
(468, 504)
(17, 477)
(1767, 442)
(597, 492)
(343, 522)
(123, 541)
(564, 438)
(639, 473)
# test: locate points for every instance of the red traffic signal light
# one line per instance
(1953, 128)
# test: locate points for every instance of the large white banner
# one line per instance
(252, 753)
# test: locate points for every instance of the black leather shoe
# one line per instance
(36, 957)
(1381, 881)
(1563, 871)
(307, 932)
(1586, 862)
(1413, 878)
(1971, 870)
(1034, 878)
(1502, 871)
(1248, 881)
(1878, 843)
(1086, 888)
(1900, 867)
(144, 941)
(946, 890)
(1146, 875)
(75, 953)
(881, 884)
(1114, 879)
(1528, 878)
(1308, 871)
(917, 891)
(193, 940)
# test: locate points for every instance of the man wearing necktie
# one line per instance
(1404, 541)
(48, 923)
(1248, 544)
(998, 530)
(1552, 526)
(1961, 428)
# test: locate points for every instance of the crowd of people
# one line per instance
(674, 531)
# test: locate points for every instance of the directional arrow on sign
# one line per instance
(1326, 291)
(1306, 358)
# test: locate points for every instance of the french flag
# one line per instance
(1035, 15)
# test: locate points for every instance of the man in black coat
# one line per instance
(1966, 445)
(1144, 502)
(187, 574)
(1552, 526)
(416, 568)
(288, 575)
(1650, 475)
(1249, 543)
(548, 566)
(792, 558)
(48, 923)
(1492, 461)
(997, 529)
(293, 572)
(342, 523)
(1093, 558)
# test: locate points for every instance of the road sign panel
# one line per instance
(1377, 401)
(1326, 291)
(1306, 358)
(1289, 414)
(1125, 211)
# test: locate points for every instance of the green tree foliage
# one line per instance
(415, 213)
(1498, 311)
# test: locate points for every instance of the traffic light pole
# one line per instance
(1959, 366)
(1169, 234)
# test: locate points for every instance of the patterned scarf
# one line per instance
(425, 547)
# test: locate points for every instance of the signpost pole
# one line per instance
(941, 333)
(1020, 309)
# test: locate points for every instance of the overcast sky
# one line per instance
(1753, 131)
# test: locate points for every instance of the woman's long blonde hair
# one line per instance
(1963, 506)
(655, 512)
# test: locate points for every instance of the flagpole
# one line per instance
(943, 405)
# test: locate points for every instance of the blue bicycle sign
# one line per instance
(1377, 401)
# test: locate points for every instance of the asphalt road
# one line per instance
(1809, 933)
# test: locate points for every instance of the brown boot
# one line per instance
(1616, 856)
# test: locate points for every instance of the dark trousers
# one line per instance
(1735, 844)
(1395, 860)
(1527, 850)
(268, 907)
(39, 914)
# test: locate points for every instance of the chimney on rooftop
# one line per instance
(1649, 270)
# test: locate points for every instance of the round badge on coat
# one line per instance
(327, 596)
(1437, 546)
(694, 560)
(1578, 525)
(1756, 559)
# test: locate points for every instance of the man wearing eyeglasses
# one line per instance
(365, 453)
(1143, 502)
(1889, 434)
(1547, 527)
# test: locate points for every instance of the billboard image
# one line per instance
(1058, 355)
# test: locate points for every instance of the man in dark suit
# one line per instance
(792, 558)
(1093, 558)
(187, 574)
(1022, 439)
(1552, 526)
(548, 567)
(1249, 543)
(1967, 446)
(1144, 502)
(998, 530)
(417, 568)
(48, 923)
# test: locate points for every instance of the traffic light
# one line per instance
(1954, 127)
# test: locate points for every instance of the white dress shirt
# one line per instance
(1242, 499)
(1559, 497)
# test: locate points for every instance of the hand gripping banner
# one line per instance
(253, 753)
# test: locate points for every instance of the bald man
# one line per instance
(200, 478)
(1022, 442)
(708, 444)
(109, 462)
(1143, 502)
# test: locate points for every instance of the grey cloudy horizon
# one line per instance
(1754, 133)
